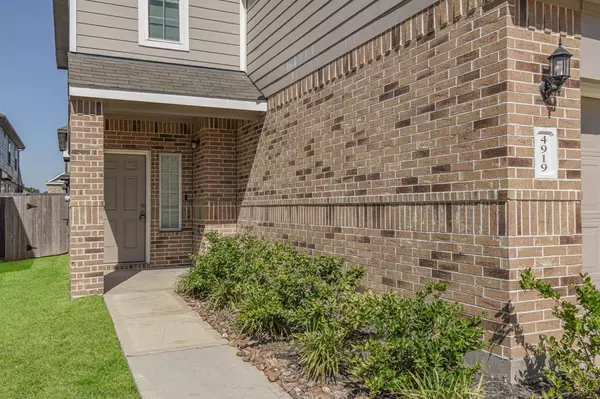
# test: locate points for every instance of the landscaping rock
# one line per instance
(273, 375)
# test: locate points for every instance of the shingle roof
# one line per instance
(153, 77)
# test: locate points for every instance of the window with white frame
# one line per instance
(164, 24)
(170, 192)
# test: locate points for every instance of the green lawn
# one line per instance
(52, 347)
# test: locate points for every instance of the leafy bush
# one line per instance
(273, 289)
(261, 314)
(574, 366)
(406, 337)
(386, 343)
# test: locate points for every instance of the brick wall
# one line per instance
(215, 180)
(86, 241)
(167, 249)
(55, 189)
(413, 156)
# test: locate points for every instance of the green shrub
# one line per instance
(386, 343)
(402, 337)
(261, 314)
(574, 366)
(322, 351)
(273, 289)
(214, 268)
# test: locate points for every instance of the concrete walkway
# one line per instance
(172, 352)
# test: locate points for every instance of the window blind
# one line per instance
(170, 191)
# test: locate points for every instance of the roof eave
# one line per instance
(61, 32)
(8, 127)
(173, 99)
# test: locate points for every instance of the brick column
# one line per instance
(87, 197)
(215, 178)
(544, 216)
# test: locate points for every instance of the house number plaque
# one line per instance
(546, 153)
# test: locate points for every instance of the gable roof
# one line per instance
(58, 179)
(10, 130)
(100, 72)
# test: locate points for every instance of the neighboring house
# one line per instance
(407, 136)
(57, 185)
(10, 149)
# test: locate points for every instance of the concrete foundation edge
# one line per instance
(513, 371)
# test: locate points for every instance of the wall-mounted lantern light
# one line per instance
(195, 144)
(560, 71)
(63, 136)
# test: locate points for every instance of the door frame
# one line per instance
(148, 156)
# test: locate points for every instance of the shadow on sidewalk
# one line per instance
(116, 278)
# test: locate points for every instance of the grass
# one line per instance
(52, 347)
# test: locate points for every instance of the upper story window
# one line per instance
(164, 24)
(10, 153)
(163, 20)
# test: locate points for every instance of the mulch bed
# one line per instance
(279, 362)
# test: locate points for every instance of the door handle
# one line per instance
(143, 213)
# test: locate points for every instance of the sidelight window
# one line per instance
(170, 192)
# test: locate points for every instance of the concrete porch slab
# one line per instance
(146, 280)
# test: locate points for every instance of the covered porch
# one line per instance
(151, 172)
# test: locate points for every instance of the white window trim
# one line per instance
(243, 49)
(179, 228)
(184, 28)
(73, 26)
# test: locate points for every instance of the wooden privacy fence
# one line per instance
(33, 225)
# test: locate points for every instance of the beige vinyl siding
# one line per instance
(288, 39)
(110, 27)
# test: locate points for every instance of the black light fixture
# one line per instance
(195, 143)
(560, 71)
(63, 137)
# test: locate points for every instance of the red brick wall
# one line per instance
(413, 156)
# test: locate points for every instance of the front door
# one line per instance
(125, 208)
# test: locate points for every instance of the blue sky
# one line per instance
(33, 92)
